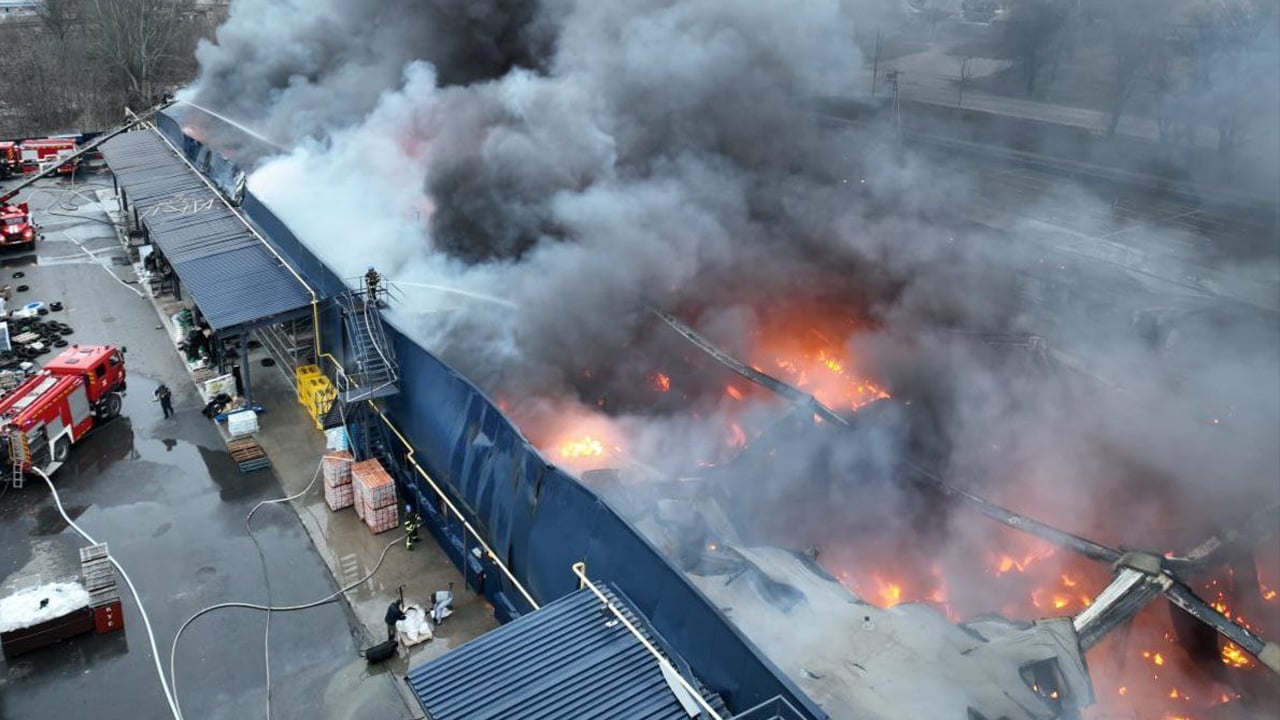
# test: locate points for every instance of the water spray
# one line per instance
(240, 126)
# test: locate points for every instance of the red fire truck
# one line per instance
(16, 228)
(39, 159)
(42, 154)
(41, 418)
(10, 159)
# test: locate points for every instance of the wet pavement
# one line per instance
(171, 504)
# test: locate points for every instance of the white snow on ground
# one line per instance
(23, 608)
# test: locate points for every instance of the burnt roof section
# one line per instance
(234, 277)
(571, 658)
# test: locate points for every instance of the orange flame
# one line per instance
(804, 348)
(1234, 656)
(661, 382)
(737, 438)
(585, 446)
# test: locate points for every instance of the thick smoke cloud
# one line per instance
(336, 58)
(597, 159)
(563, 167)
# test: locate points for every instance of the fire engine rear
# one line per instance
(41, 418)
(10, 159)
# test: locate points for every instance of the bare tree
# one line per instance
(1135, 34)
(60, 16)
(139, 39)
(1033, 35)
(1232, 60)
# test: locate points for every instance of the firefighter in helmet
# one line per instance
(371, 282)
(411, 524)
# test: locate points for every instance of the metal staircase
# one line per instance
(371, 371)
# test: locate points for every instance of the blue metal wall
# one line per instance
(538, 519)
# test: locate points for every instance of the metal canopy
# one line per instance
(568, 659)
(235, 279)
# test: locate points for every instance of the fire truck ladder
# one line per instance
(84, 150)
(18, 454)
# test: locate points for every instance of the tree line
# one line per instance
(1206, 64)
(77, 64)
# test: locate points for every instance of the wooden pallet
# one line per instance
(248, 454)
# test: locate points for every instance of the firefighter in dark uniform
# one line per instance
(166, 400)
(395, 613)
(371, 281)
(411, 524)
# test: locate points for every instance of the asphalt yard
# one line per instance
(171, 504)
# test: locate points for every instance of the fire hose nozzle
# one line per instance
(1270, 656)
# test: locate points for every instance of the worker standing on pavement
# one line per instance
(166, 400)
(395, 613)
(411, 524)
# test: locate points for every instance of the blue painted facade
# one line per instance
(536, 517)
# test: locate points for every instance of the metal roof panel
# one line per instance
(233, 276)
(571, 658)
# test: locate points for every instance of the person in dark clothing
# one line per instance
(371, 280)
(395, 613)
(166, 400)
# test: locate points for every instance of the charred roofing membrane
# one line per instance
(233, 276)
(571, 658)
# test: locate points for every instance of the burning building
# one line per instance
(787, 352)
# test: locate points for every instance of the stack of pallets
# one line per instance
(100, 580)
(248, 454)
(338, 491)
(375, 495)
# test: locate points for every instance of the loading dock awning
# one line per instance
(236, 280)
(568, 659)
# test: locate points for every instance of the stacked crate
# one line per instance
(315, 392)
(100, 580)
(375, 495)
(338, 491)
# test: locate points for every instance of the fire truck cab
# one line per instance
(41, 418)
(16, 228)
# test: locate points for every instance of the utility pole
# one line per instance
(964, 75)
(893, 76)
(875, 65)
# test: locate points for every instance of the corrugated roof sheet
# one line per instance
(570, 659)
(234, 278)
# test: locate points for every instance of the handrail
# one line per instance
(580, 569)
(449, 503)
